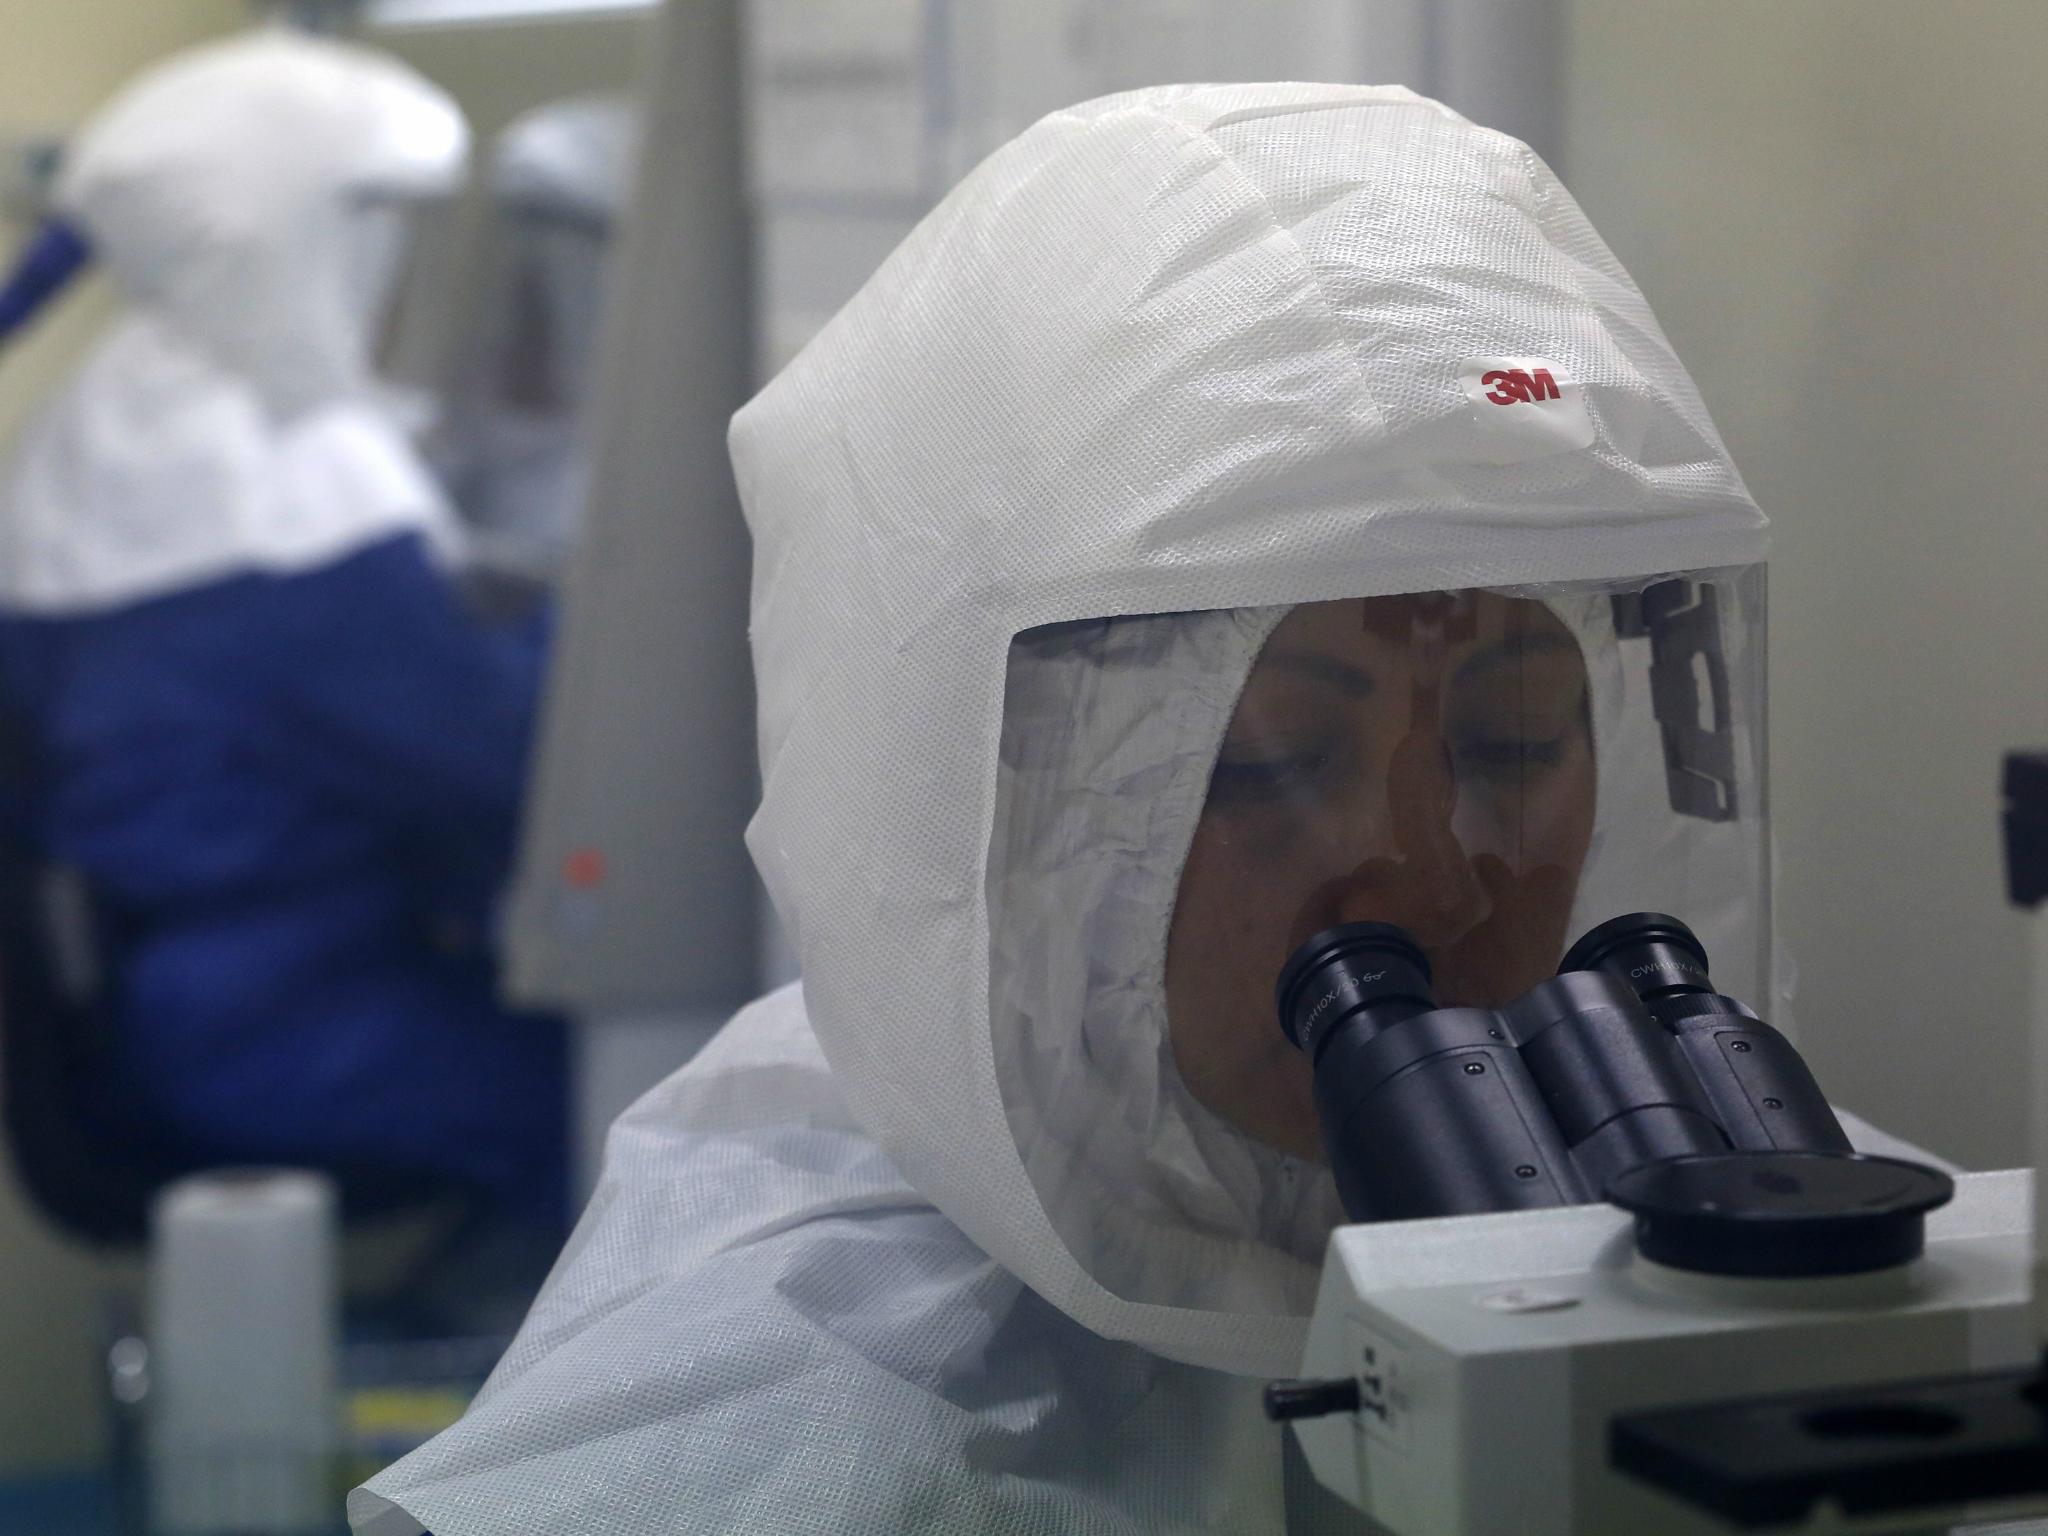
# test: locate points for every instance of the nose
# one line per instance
(1426, 884)
(1479, 828)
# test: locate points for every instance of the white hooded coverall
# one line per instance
(1191, 351)
(249, 198)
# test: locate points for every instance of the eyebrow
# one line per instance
(1353, 682)
(1513, 649)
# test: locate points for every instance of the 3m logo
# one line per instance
(1553, 418)
(1519, 386)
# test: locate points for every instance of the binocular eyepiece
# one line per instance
(1626, 1076)
(1369, 972)
(1658, 956)
(1376, 973)
(1626, 1057)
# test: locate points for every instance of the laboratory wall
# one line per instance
(1837, 210)
(59, 62)
(498, 70)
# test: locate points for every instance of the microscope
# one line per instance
(1615, 1270)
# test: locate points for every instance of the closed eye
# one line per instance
(1265, 777)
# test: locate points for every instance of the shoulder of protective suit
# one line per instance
(768, 1042)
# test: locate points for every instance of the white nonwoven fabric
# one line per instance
(760, 1327)
(1109, 735)
(1185, 349)
(246, 198)
(153, 472)
(778, 1333)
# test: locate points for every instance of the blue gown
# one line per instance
(293, 798)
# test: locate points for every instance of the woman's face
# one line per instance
(1426, 761)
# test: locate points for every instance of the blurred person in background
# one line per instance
(510, 447)
(262, 725)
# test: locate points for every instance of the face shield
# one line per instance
(399, 273)
(1185, 798)
(512, 449)
(553, 293)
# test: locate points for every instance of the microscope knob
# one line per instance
(1311, 1399)
(1781, 1215)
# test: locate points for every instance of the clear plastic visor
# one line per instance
(1426, 761)
(511, 446)
(1185, 798)
(401, 270)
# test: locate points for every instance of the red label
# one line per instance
(1519, 386)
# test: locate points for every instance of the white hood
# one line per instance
(569, 159)
(1192, 348)
(227, 191)
(247, 198)
(1196, 355)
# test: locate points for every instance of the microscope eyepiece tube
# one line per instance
(1425, 1111)
(1760, 1092)
(1627, 1056)
(1373, 971)
(1657, 955)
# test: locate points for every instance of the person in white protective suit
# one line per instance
(512, 449)
(1232, 510)
(285, 758)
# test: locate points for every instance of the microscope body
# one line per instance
(1495, 1353)
(1556, 1372)
(1764, 1330)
